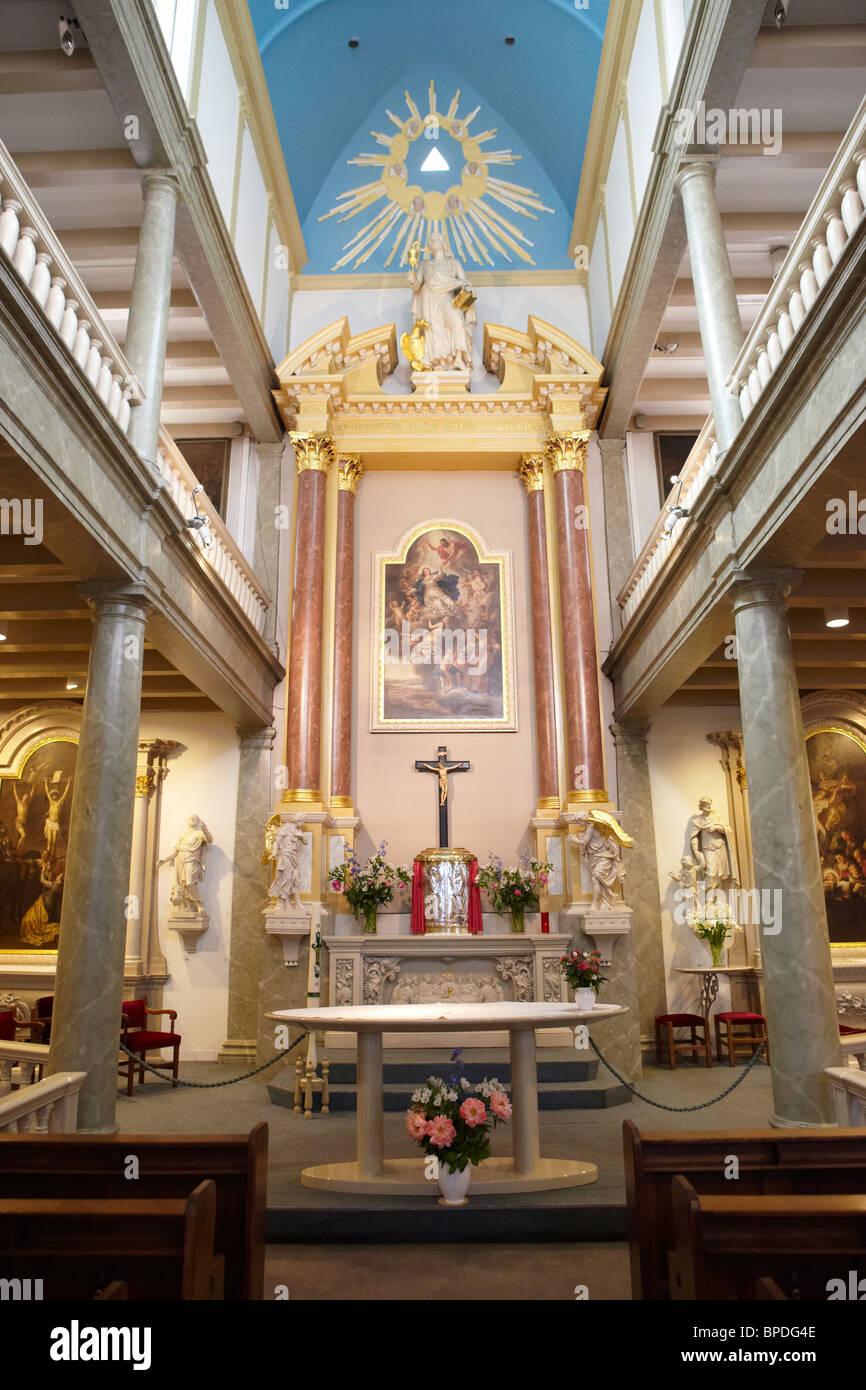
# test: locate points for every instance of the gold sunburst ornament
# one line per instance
(403, 213)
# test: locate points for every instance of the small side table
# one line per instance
(709, 982)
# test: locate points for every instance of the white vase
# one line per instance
(585, 998)
(454, 1185)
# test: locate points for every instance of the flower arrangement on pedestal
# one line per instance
(714, 925)
(582, 971)
(514, 889)
(367, 887)
(452, 1121)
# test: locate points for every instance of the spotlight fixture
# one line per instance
(4, 632)
(510, 39)
(70, 34)
(198, 522)
(675, 510)
(836, 617)
(71, 683)
(665, 347)
(780, 13)
(354, 43)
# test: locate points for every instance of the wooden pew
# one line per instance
(159, 1249)
(89, 1166)
(724, 1246)
(770, 1161)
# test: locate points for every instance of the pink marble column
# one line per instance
(531, 473)
(584, 741)
(351, 470)
(313, 454)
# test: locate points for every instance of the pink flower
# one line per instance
(416, 1125)
(542, 878)
(440, 1131)
(517, 892)
(500, 1105)
(335, 885)
(473, 1111)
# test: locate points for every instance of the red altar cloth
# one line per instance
(418, 924)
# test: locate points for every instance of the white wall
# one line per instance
(201, 781)
(643, 487)
(683, 767)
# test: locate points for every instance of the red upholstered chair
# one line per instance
(694, 1045)
(753, 1032)
(139, 1039)
(39, 1026)
(845, 1029)
(7, 1025)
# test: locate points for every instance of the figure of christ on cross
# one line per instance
(442, 768)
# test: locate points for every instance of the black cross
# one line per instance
(442, 768)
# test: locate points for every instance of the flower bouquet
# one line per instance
(582, 972)
(515, 890)
(366, 887)
(714, 925)
(452, 1122)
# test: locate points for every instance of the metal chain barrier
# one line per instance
(682, 1109)
(209, 1085)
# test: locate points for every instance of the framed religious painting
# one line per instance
(443, 653)
(836, 749)
(36, 784)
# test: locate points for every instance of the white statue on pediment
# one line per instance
(447, 328)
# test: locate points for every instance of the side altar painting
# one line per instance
(837, 768)
(443, 654)
(34, 832)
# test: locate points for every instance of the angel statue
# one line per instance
(442, 300)
(284, 843)
(601, 838)
(188, 857)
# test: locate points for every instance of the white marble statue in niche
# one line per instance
(601, 839)
(284, 848)
(189, 858)
(447, 329)
(711, 841)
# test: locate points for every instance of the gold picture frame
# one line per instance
(838, 778)
(443, 634)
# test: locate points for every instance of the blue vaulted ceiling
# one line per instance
(327, 97)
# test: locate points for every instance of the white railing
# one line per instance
(698, 468)
(19, 1062)
(28, 241)
(828, 226)
(849, 1093)
(48, 1107)
(223, 554)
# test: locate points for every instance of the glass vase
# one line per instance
(518, 919)
(370, 921)
(717, 952)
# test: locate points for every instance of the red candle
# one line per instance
(545, 921)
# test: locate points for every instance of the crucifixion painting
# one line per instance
(442, 767)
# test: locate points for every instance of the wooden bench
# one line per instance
(85, 1166)
(725, 1246)
(159, 1249)
(770, 1161)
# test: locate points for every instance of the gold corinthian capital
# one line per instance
(530, 471)
(568, 451)
(313, 452)
(351, 471)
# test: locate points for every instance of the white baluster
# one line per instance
(797, 306)
(24, 259)
(115, 397)
(103, 381)
(94, 361)
(40, 283)
(56, 301)
(9, 226)
(754, 384)
(124, 413)
(786, 329)
(808, 285)
(852, 204)
(69, 324)
(6, 1065)
(860, 162)
(81, 346)
(836, 234)
(822, 262)
(764, 369)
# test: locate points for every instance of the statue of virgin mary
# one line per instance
(448, 335)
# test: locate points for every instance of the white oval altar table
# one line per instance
(372, 1172)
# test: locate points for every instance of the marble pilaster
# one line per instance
(147, 331)
(795, 949)
(584, 741)
(350, 472)
(617, 524)
(314, 454)
(249, 892)
(634, 798)
(531, 472)
(721, 330)
(89, 986)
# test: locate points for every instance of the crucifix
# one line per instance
(442, 767)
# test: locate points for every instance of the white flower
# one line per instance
(421, 1095)
(464, 1084)
(450, 1095)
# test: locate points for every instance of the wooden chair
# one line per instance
(85, 1166)
(770, 1161)
(160, 1249)
(696, 1045)
(724, 1245)
(748, 1041)
(139, 1039)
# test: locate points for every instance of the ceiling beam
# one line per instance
(40, 71)
(810, 46)
(63, 168)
